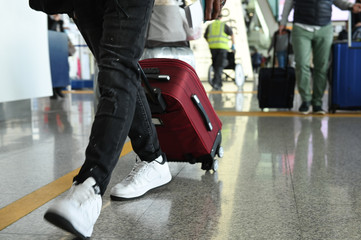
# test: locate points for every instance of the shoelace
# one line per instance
(140, 166)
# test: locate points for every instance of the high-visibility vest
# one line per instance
(216, 37)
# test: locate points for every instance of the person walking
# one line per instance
(312, 33)
(217, 35)
(256, 59)
(356, 25)
(280, 42)
(170, 40)
(115, 32)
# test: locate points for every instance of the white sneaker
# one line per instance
(144, 177)
(77, 212)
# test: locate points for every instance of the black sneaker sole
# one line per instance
(115, 198)
(119, 199)
(62, 223)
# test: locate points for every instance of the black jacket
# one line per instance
(313, 12)
(52, 6)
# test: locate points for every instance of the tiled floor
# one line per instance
(283, 176)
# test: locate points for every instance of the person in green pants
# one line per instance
(312, 34)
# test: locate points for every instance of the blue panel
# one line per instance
(346, 76)
(80, 84)
(58, 52)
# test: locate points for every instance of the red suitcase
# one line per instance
(188, 129)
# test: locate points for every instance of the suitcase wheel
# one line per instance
(210, 164)
(220, 151)
(332, 109)
(215, 165)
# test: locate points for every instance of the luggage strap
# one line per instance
(154, 96)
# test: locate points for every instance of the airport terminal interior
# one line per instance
(283, 175)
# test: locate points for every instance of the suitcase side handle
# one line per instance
(202, 111)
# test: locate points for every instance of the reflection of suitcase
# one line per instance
(189, 129)
(346, 79)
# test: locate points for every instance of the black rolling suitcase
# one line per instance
(276, 85)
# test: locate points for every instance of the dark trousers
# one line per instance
(115, 33)
(219, 62)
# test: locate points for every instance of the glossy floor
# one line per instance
(283, 175)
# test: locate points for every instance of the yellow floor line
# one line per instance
(20, 208)
(284, 114)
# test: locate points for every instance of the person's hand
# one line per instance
(213, 9)
(356, 8)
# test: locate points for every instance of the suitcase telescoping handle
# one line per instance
(201, 109)
(158, 77)
(155, 98)
(154, 73)
(349, 31)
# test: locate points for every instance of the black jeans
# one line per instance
(219, 62)
(115, 33)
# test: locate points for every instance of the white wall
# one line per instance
(24, 54)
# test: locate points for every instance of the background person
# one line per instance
(282, 40)
(218, 35)
(312, 33)
(170, 40)
(256, 59)
(356, 25)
